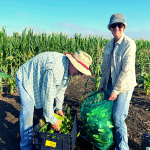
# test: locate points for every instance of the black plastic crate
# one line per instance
(83, 144)
(55, 141)
(145, 141)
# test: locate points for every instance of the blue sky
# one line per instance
(85, 17)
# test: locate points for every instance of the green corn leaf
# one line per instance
(59, 117)
(68, 111)
(101, 130)
(109, 124)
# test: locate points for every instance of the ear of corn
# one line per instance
(44, 128)
(59, 117)
(65, 126)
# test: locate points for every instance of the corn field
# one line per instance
(15, 50)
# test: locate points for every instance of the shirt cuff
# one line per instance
(115, 92)
(53, 120)
(59, 107)
(50, 117)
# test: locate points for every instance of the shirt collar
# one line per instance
(112, 42)
(120, 40)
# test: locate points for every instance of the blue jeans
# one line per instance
(26, 117)
(120, 112)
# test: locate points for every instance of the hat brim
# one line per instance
(78, 66)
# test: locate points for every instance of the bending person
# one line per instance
(43, 79)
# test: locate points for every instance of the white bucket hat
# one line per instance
(81, 61)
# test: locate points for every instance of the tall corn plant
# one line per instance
(19, 48)
(1, 86)
(96, 53)
(143, 64)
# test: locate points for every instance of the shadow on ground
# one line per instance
(9, 121)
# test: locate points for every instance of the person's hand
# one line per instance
(60, 112)
(112, 97)
(56, 126)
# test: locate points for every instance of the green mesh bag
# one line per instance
(96, 115)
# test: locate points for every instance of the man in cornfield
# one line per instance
(41, 81)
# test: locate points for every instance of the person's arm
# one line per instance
(104, 68)
(127, 66)
(48, 93)
(60, 96)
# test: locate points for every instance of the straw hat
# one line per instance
(117, 18)
(81, 61)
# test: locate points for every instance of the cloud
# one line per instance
(70, 29)
(77, 27)
(138, 34)
(70, 26)
(88, 30)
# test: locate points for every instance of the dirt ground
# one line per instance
(138, 120)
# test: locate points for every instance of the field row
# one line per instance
(17, 49)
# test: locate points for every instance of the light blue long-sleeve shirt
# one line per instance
(45, 77)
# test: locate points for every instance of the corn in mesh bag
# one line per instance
(96, 115)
